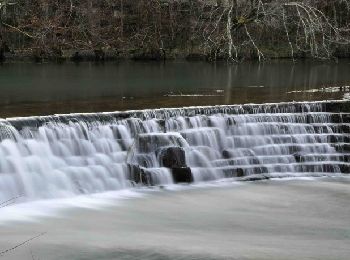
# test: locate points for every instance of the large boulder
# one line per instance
(147, 143)
(172, 157)
(182, 175)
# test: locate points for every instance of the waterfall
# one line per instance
(67, 155)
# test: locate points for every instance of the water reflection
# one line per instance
(83, 87)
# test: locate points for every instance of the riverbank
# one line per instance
(157, 55)
(284, 220)
(163, 30)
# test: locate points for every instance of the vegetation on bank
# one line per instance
(232, 30)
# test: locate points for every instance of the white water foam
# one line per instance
(66, 156)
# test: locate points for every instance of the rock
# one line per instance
(342, 148)
(334, 107)
(172, 157)
(336, 118)
(76, 57)
(256, 177)
(147, 143)
(146, 160)
(148, 54)
(99, 55)
(230, 173)
(181, 175)
(196, 57)
(3, 50)
(345, 118)
(87, 55)
(227, 154)
(345, 129)
(299, 156)
(138, 175)
(345, 168)
(239, 172)
(231, 153)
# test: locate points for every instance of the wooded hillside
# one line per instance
(164, 29)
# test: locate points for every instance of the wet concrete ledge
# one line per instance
(341, 107)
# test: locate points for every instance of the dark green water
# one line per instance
(86, 87)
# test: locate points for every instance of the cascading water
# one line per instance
(67, 155)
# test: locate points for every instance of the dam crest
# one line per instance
(68, 155)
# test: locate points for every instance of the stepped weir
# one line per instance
(68, 155)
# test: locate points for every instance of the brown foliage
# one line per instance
(229, 29)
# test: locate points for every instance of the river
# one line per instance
(112, 185)
(272, 220)
(41, 89)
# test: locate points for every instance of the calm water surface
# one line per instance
(37, 89)
(273, 220)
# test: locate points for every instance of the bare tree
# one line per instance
(306, 26)
(219, 29)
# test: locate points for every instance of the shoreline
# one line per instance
(90, 58)
(100, 57)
